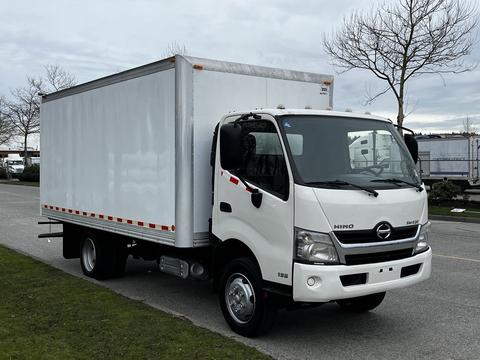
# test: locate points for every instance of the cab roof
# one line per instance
(283, 112)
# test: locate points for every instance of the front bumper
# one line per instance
(379, 277)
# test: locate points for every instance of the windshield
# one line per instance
(15, 162)
(363, 152)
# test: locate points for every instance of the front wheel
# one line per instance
(362, 303)
(244, 304)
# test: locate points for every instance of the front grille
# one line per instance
(369, 236)
(370, 258)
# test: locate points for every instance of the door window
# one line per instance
(263, 162)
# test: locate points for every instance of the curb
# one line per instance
(455, 218)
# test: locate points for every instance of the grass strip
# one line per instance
(24, 183)
(445, 210)
(48, 314)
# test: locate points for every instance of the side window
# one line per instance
(263, 162)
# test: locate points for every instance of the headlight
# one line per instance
(422, 242)
(314, 247)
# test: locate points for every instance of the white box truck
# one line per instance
(197, 164)
(453, 158)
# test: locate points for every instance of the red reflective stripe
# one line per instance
(120, 220)
(233, 180)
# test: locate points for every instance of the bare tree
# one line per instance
(23, 113)
(57, 78)
(22, 110)
(468, 127)
(175, 48)
(401, 40)
(6, 130)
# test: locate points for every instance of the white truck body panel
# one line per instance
(129, 153)
(111, 147)
(217, 93)
(451, 158)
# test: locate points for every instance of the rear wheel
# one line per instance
(244, 304)
(362, 303)
(102, 258)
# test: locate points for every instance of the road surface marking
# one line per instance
(457, 258)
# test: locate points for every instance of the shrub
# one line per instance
(31, 173)
(445, 191)
(3, 173)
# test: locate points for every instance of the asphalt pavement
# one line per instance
(437, 319)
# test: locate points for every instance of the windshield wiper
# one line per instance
(398, 181)
(338, 183)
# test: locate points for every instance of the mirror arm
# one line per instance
(246, 116)
(404, 128)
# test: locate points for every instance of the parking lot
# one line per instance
(438, 319)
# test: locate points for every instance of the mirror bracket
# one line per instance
(256, 198)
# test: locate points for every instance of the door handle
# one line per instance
(225, 207)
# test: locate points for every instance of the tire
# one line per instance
(362, 303)
(102, 258)
(241, 286)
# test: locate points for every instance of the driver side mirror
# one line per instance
(412, 146)
(231, 146)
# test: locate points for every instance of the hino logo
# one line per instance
(384, 230)
(346, 226)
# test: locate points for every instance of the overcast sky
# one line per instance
(94, 38)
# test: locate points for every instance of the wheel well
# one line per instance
(224, 252)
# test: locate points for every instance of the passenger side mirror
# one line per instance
(412, 146)
(231, 146)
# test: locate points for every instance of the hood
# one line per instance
(16, 167)
(356, 210)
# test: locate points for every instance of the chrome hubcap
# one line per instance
(240, 298)
(89, 255)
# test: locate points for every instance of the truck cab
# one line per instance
(314, 221)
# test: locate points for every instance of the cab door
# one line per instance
(266, 228)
